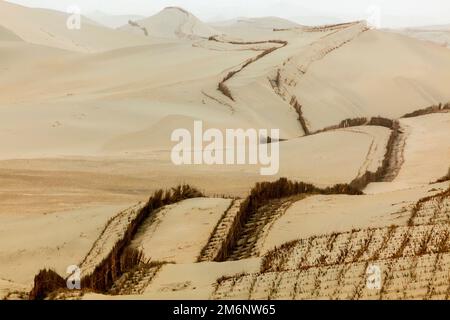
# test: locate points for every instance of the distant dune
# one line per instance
(48, 28)
(172, 22)
(252, 27)
(112, 21)
(437, 34)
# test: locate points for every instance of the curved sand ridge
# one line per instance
(172, 22)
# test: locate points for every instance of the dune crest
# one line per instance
(172, 23)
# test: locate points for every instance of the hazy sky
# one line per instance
(392, 12)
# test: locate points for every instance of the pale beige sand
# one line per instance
(174, 281)
(9, 287)
(179, 232)
(188, 281)
(111, 21)
(172, 22)
(412, 261)
(323, 159)
(83, 111)
(31, 242)
(7, 35)
(86, 119)
(302, 275)
(255, 95)
(436, 34)
(362, 79)
(82, 99)
(253, 28)
(48, 28)
(426, 154)
(88, 104)
(322, 214)
(112, 233)
(427, 150)
(422, 277)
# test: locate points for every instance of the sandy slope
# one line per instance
(112, 21)
(172, 22)
(385, 74)
(48, 28)
(195, 280)
(57, 240)
(179, 232)
(252, 28)
(122, 100)
(436, 34)
(7, 35)
(87, 117)
(8, 287)
(323, 159)
(317, 215)
(426, 155)
(108, 95)
(427, 152)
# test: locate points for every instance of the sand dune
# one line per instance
(180, 231)
(87, 117)
(318, 215)
(387, 75)
(323, 159)
(172, 22)
(175, 281)
(436, 34)
(6, 35)
(55, 240)
(252, 28)
(112, 21)
(48, 28)
(426, 154)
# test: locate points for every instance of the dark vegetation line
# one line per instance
(385, 122)
(203, 253)
(261, 195)
(298, 108)
(277, 82)
(393, 156)
(432, 109)
(137, 25)
(222, 87)
(256, 229)
(356, 122)
(394, 149)
(121, 258)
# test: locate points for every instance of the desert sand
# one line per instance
(190, 222)
(437, 34)
(85, 140)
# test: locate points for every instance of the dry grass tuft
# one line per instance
(121, 258)
(46, 282)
